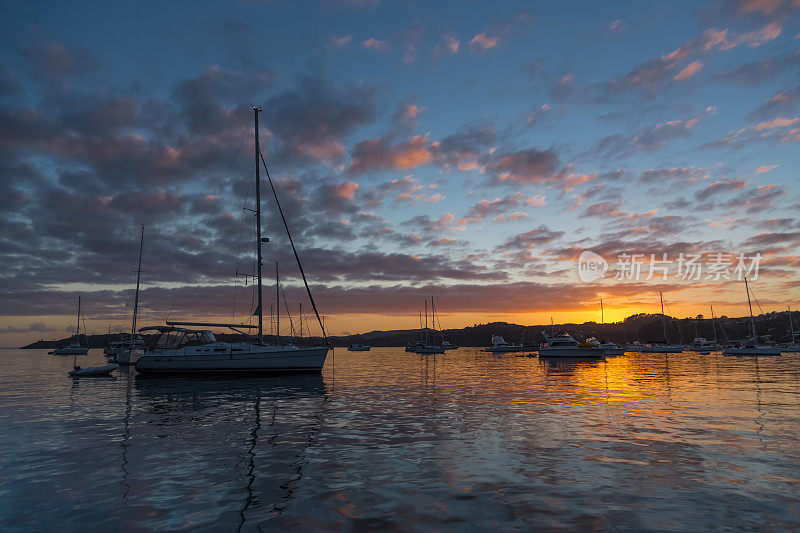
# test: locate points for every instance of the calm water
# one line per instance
(395, 441)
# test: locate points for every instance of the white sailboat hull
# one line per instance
(128, 357)
(753, 350)
(221, 359)
(70, 350)
(662, 349)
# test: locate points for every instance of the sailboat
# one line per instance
(662, 347)
(181, 349)
(426, 344)
(74, 348)
(129, 354)
(609, 347)
(751, 347)
(791, 347)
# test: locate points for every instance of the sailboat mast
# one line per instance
(136, 294)
(78, 326)
(256, 111)
(426, 320)
(713, 324)
(750, 306)
(791, 325)
(663, 318)
(277, 306)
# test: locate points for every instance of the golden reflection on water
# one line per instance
(393, 440)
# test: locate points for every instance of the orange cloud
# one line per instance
(375, 44)
(766, 168)
(346, 190)
(691, 69)
(484, 41)
(777, 122)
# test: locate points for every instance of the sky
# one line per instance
(467, 151)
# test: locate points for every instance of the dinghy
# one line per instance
(104, 370)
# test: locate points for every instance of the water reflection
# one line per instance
(462, 440)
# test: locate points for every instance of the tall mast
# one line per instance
(750, 305)
(301, 320)
(78, 326)
(791, 325)
(426, 320)
(602, 321)
(277, 306)
(663, 318)
(256, 111)
(136, 294)
(713, 324)
(433, 317)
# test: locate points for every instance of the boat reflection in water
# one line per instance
(249, 435)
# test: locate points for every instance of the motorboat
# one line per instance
(499, 345)
(358, 348)
(179, 348)
(183, 350)
(703, 346)
(751, 347)
(73, 348)
(89, 371)
(447, 345)
(609, 347)
(563, 345)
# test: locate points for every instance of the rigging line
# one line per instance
(294, 250)
(288, 313)
(208, 219)
(239, 245)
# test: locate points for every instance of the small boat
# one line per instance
(564, 345)
(447, 345)
(74, 348)
(791, 347)
(499, 345)
(427, 342)
(751, 347)
(609, 347)
(104, 370)
(358, 348)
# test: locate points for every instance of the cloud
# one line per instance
(375, 44)
(719, 187)
(765, 168)
(525, 166)
(379, 154)
(777, 122)
(530, 239)
(340, 41)
(691, 69)
(485, 42)
(487, 208)
(451, 44)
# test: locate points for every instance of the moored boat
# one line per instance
(563, 345)
(358, 348)
(74, 347)
(499, 345)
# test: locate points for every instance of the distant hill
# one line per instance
(642, 327)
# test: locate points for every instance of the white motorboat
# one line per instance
(563, 345)
(447, 345)
(751, 347)
(358, 348)
(89, 371)
(115, 348)
(177, 349)
(73, 348)
(499, 345)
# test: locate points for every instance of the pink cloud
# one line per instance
(379, 154)
(484, 41)
(537, 200)
(691, 69)
(375, 44)
(451, 44)
(764, 6)
(777, 122)
(346, 190)
(765, 168)
(341, 40)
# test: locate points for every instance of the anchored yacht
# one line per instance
(564, 345)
